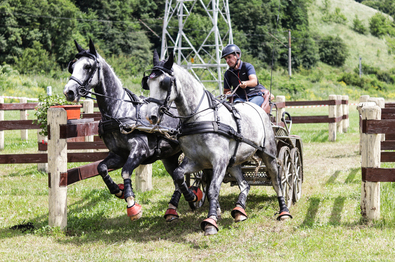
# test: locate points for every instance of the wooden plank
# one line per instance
(23, 158)
(389, 137)
(86, 157)
(388, 113)
(18, 125)
(313, 103)
(384, 126)
(95, 116)
(389, 105)
(387, 145)
(82, 129)
(79, 173)
(77, 145)
(387, 157)
(18, 106)
(378, 174)
(314, 119)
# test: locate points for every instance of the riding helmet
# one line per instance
(230, 49)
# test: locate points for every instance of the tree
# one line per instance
(333, 51)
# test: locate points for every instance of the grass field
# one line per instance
(327, 224)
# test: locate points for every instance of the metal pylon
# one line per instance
(204, 59)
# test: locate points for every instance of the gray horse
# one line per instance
(120, 127)
(213, 136)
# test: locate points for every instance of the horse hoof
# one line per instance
(210, 230)
(198, 193)
(171, 215)
(239, 214)
(284, 216)
(121, 187)
(239, 217)
(135, 212)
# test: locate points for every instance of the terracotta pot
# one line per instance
(73, 111)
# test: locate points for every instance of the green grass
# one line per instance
(327, 224)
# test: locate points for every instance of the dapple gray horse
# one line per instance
(213, 135)
(120, 127)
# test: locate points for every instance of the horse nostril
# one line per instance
(154, 119)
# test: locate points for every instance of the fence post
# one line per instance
(23, 114)
(370, 191)
(364, 98)
(42, 167)
(280, 111)
(346, 112)
(1, 132)
(339, 113)
(144, 178)
(332, 114)
(57, 164)
(381, 103)
(359, 108)
(88, 108)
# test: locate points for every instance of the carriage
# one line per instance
(290, 166)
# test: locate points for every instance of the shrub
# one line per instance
(333, 51)
(379, 25)
(358, 26)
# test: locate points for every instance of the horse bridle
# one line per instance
(166, 83)
(83, 89)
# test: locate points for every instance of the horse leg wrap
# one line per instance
(209, 226)
(175, 198)
(241, 201)
(284, 211)
(121, 187)
(212, 212)
(134, 212)
(171, 215)
(188, 194)
(239, 214)
(111, 184)
(198, 193)
(128, 188)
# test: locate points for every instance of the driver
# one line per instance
(241, 75)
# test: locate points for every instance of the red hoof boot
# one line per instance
(239, 214)
(284, 216)
(198, 193)
(135, 212)
(121, 187)
(171, 215)
(209, 226)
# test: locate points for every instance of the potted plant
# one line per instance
(45, 102)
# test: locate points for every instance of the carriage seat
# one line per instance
(265, 105)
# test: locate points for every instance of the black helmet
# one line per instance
(230, 49)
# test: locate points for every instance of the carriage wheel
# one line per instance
(285, 174)
(298, 174)
(198, 179)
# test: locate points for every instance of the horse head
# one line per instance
(84, 72)
(161, 84)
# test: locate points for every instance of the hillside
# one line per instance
(374, 51)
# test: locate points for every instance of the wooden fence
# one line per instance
(377, 127)
(337, 118)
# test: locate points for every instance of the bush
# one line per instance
(358, 26)
(333, 51)
(36, 60)
(379, 25)
(367, 69)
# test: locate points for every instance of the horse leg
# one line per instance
(238, 213)
(112, 161)
(209, 225)
(209, 174)
(272, 169)
(171, 212)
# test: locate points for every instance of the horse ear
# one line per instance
(170, 61)
(79, 48)
(156, 58)
(92, 48)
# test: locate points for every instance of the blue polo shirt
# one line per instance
(233, 78)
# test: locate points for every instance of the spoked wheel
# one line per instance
(285, 173)
(199, 180)
(297, 174)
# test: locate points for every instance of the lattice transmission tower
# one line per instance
(203, 57)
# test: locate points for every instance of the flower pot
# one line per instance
(73, 111)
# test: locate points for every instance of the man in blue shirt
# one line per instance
(241, 75)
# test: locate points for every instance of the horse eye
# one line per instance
(87, 66)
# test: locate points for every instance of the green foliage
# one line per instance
(36, 60)
(333, 50)
(365, 82)
(41, 111)
(336, 17)
(358, 26)
(380, 25)
(367, 69)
